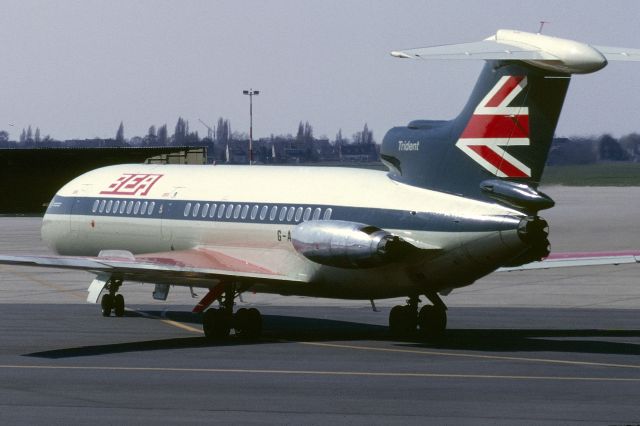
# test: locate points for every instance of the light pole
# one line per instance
(250, 93)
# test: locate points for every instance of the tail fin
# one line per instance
(498, 145)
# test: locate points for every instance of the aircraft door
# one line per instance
(79, 219)
(168, 212)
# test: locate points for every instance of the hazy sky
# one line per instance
(78, 68)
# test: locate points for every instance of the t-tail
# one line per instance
(498, 145)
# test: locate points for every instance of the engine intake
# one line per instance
(347, 244)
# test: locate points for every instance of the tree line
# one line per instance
(305, 146)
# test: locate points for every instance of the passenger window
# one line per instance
(143, 209)
(151, 206)
(136, 207)
(229, 211)
(274, 210)
(254, 212)
(292, 210)
(109, 204)
(196, 209)
(283, 213)
(212, 212)
(129, 207)
(123, 206)
(245, 210)
(116, 204)
(160, 208)
(327, 214)
(263, 212)
(205, 210)
(94, 208)
(102, 203)
(307, 214)
(298, 214)
(221, 211)
(236, 212)
(316, 213)
(187, 209)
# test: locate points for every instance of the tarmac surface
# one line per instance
(534, 347)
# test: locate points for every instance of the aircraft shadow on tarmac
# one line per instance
(282, 329)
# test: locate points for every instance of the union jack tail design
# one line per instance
(495, 124)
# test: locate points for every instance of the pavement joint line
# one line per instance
(476, 356)
(44, 283)
(318, 373)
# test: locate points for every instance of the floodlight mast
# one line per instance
(251, 93)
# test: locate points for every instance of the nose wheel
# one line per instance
(112, 301)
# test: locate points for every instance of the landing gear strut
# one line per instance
(431, 320)
(217, 323)
(112, 301)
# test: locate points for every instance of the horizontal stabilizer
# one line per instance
(619, 53)
(486, 49)
(545, 52)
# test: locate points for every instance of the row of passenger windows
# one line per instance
(120, 207)
(241, 211)
(226, 211)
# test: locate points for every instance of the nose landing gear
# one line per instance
(112, 301)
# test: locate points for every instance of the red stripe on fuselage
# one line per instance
(497, 126)
(496, 160)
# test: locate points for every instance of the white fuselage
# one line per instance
(163, 208)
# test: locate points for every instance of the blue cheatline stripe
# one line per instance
(175, 210)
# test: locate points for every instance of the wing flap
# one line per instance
(195, 267)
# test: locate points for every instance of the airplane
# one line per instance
(459, 201)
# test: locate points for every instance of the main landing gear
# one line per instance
(217, 323)
(430, 321)
(112, 301)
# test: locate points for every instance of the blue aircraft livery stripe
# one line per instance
(263, 213)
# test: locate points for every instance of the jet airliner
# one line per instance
(460, 200)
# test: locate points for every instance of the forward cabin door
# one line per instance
(80, 217)
(169, 214)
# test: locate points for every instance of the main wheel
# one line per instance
(106, 303)
(118, 305)
(432, 321)
(402, 320)
(248, 323)
(216, 324)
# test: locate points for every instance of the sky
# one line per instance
(76, 69)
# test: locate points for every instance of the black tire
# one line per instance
(216, 324)
(106, 303)
(432, 321)
(118, 305)
(402, 321)
(248, 323)
(241, 321)
(254, 326)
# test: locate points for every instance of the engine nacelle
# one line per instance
(347, 244)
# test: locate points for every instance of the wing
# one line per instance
(564, 260)
(196, 267)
